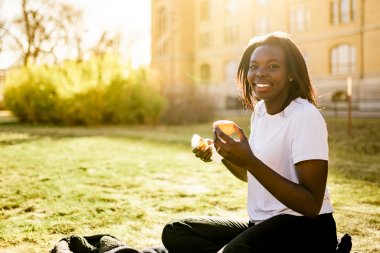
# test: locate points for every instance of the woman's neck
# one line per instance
(272, 109)
(275, 108)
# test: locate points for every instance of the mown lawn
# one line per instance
(130, 181)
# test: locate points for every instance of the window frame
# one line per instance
(342, 11)
(343, 59)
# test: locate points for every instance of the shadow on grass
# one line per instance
(13, 133)
(355, 157)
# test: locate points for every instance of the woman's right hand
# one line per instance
(204, 153)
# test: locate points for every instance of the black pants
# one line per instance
(283, 233)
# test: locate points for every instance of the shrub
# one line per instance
(339, 96)
(83, 108)
(33, 97)
(133, 101)
(76, 94)
(2, 106)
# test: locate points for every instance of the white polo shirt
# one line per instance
(296, 134)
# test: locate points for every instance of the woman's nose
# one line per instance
(260, 72)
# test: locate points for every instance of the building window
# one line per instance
(205, 10)
(299, 19)
(162, 21)
(335, 12)
(353, 9)
(262, 25)
(343, 59)
(205, 40)
(345, 11)
(342, 11)
(231, 34)
(205, 71)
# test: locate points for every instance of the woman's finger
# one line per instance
(240, 133)
(203, 154)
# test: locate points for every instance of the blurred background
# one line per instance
(201, 41)
(188, 52)
(99, 100)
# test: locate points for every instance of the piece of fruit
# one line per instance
(227, 126)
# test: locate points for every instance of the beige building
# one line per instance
(199, 42)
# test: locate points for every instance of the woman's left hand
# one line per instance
(236, 151)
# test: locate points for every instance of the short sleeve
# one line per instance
(310, 137)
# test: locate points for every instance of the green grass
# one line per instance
(130, 181)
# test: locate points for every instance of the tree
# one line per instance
(2, 30)
(42, 29)
(107, 43)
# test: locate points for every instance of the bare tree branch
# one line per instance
(42, 27)
(46, 29)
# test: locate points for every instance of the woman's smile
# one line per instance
(262, 86)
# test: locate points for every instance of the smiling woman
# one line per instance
(268, 78)
(284, 161)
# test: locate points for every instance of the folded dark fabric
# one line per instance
(155, 250)
(102, 243)
(345, 244)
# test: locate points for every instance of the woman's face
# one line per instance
(268, 75)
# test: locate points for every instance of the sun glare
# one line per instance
(130, 18)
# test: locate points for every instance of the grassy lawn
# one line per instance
(130, 181)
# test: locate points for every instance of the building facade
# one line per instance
(199, 42)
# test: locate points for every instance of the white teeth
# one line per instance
(262, 85)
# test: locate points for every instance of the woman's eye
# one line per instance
(273, 66)
(252, 67)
